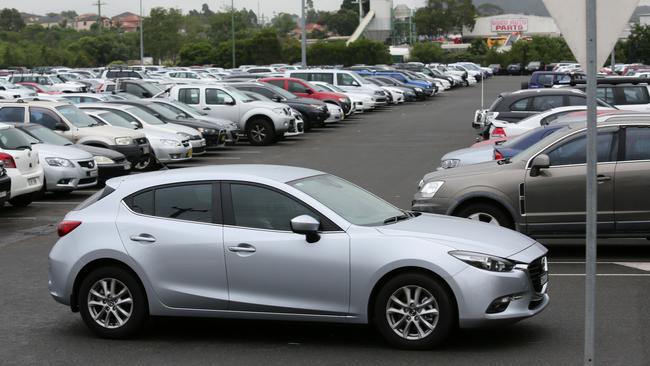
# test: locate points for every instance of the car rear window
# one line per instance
(13, 139)
(94, 198)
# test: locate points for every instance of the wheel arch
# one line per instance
(99, 263)
(408, 269)
(490, 199)
(259, 116)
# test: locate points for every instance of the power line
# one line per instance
(99, 12)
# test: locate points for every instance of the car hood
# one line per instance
(475, 170)
(471, 155)
(110, 132)
(56, 151)
(180, 128)
(99, 151)
(305, 101)
(193, 123)
(217, 121)
(461, 234)
(159, 132)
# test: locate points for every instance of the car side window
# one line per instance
(546, 102)
(263, 208)
(296, 87)
(265, 92)
(637, 143)
(520, 105)
(188, 202)
(636, 95)
(134, 90)
(573, 151)
(216, 96)
(43, 117)
(189, 95)
(12, 114)
(327, 77)
(345, 79)
(276, 82)
(545, 79)
(606, 94)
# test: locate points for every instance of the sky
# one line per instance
(113, 7)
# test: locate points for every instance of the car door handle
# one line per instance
(147, 238)
(242, 248)
(603, 178)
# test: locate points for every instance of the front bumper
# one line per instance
(134, 153)
(216, 139)
(296, 128)
(335, 116)
(108, 171)
(69, 179)
(173, 154)
(198, 146)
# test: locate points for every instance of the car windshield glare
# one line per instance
(48, 136)
(76, 116)
(351, 202)
(145, 116)
(536, 147)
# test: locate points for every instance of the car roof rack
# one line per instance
(614, 81)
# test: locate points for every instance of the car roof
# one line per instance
(34, 102)
(543, 91)
(232, 172)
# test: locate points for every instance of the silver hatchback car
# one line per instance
(279, 242)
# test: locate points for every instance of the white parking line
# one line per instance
(239, 152)
(55, 203)
(217, 158)
(644, 266)
(600, 274)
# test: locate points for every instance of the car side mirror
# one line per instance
(136, 124)
(306, 225)
(147, 95)
(355, 83)
(541, 161)
(277, 98)
(60, 126)
(309, 91)
(228, 101)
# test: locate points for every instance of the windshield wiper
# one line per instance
(404, 216)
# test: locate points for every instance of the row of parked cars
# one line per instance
(71, 138)
(527, 170)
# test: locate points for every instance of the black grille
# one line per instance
(87, 164)
(87, 180)
(198, 150)
(195, 137)
(141, 141)
(537, 270)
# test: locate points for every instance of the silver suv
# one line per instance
(541, 191)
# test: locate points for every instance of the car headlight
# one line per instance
(59, 162)
(183, 135)
(449, 163)
(123, 141)
(342, 100)
(279, 111)
(102, 160)
(429, 189)
(207, 131)
(484, 261)
(172, 143)
(419, 90)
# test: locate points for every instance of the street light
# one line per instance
(303, 37)
(232, 10)
(141, 37)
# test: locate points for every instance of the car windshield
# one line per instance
(47, 136)
(283, 93)
(335, 88)
(115, 120)
(57, 79)
(238, 95)
(174, 109)
(320, 88)
(145, 116)
(76, 116)
(165, 112)
(354, 204)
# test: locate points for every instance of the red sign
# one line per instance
(509, 25)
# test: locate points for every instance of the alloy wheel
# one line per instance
(258, 133)
(412, 312)
(484, 217)
(110, 303)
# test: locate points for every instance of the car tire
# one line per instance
(117, 290)
(260, 132)
(306, 123)
(486, 213)
(424, 322)
(22, 201)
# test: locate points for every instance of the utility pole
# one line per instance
(99, 4)
(141, 36)
(303, 36)
(232, 9)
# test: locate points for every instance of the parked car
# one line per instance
(629, 93)
(40, 89)
(496, 69)
(168, 146)
(416, 93)
(211, 133)
(510, 129)
(110, 163)
(534, 66)
(5, 184)
(344, 79)
(261, 122)
(158, 245)
(514, 69)
(549, 79)
(295, 128)
(304, 89)
(187, 111)
(541, 190)
(76, 126)
(314, 112)
(139, 88)
(13, 91)
(21, 165)
(51, 81)
(360, 102)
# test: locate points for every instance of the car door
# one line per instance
(554, 200)
(174, 233)
(217, 102)
(631, 199)
(270, 268)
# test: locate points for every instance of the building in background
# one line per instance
(86, 21)
(126, 21)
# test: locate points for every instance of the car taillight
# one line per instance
(498, 132)
(66, 227)
(498, 155)
(9, 161)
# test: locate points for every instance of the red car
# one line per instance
(42, 89)
(304, 89)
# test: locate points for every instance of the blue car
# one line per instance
(546, 79)
(428, 87)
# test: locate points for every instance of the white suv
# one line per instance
(22, 165)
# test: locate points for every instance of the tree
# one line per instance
(197, 53)
(487, 9)
(343, 22)
(220, 26)
(426, 52)
(69, 14)
(11, 21)
(638, 44)
(284, 23)
(163, 37)
(441, 17)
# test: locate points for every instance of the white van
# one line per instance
(349, 81)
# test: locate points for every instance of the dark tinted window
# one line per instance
(545, 79)
(13, 139)
(43, 117)
(263, 208)
(637, 143)
(188, 95)
(296, 87)
(192, 202)
(12, 114)
(546, 102)
(263, 91)
(135, 90)
(300, 75)
(574, 151)
(216, 96)
(604, 93)
(143, 203)
(327, 77)
(520, 105)
(636, 95)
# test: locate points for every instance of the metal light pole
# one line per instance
(592, 186)
(141, 37)
(303, 36)
(232, 9)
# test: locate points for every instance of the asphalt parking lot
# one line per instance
(386, 152)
